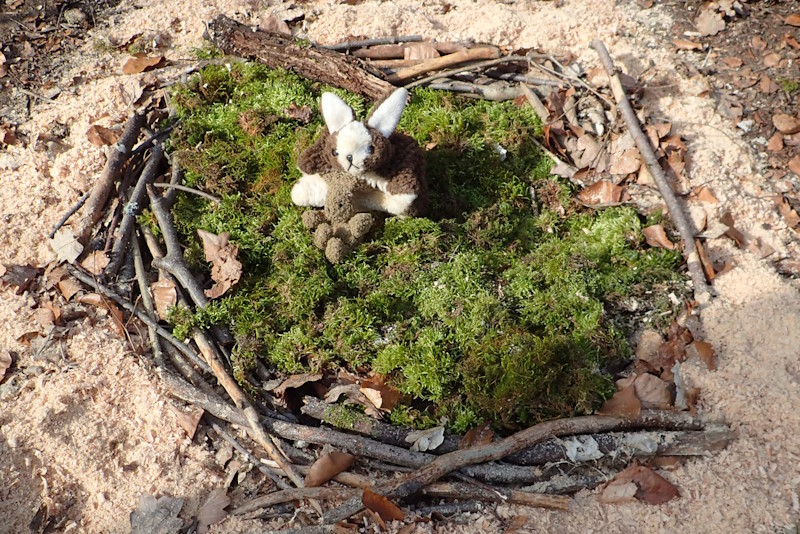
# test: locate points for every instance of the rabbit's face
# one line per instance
(358, 148)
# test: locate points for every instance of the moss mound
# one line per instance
(486, 310)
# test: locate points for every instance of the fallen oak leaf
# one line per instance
(383, 396)
(794, 165)
(704, 194)
(213, 510)
(775, 143)
(650, 487)
(684, 44)
(101, 136)
(225, 268)
(624, 403)
(601, 193)
(652, 391)
(6, 360)
(709, 22)
(328, 466)
(20, 276)
(732, 232)
(480, 435)
(657, 237)
(66, 245)
(68, 287)
(296, 381)
(702, 350)
(793, 20)
(142, 63)
(188, 420)
(96, 299)
(381, 505)
(95, 262)
(786, 124)
(165, 295)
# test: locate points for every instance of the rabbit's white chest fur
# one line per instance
(380, 200)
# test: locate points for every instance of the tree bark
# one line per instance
(307, 60)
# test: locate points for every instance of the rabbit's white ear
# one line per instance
(386, 117)
(336, 112)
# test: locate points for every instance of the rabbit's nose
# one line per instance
(350, 158)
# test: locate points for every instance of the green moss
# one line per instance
(482, 311)
(788, 85)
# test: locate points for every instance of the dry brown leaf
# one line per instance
(68, 287)
(789, 214)
(301, 114)
(650, 487)
(786, 124)
(704, 194)
(772, 59)
(381, 505)
(684, 44)
(95, 299)
(480, 435)
(733, 62)
(758, 43)
(652, 391)
(328, 466)
(709, 22)
(794, 165)
(516, 524)
(788, 40)
(628, 162)
(95, 262)
(212, 510)
(225, 268)
(296, 381)
(624, 403)
(383, 396)
(6, 360)
(602, 192)
(775, 142)
(165, 295)
(270, 22)
(647, 347)
(766, 85)
(101, 136)
(705, 260)
(793, 19)
(44, 317)
(142, 63)
(657, 237)
(188, 420)
(732, 232)
(704, 351)
(420, 51)
(20, 276)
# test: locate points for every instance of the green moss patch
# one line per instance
(488, 309)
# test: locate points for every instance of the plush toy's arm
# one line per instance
(408, 174)
(313, 159)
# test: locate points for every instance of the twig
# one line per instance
(122, 301)
(372, 42)
(524, 78)
(497, 91)
(173, 261)
(459, 490)
(247, 454)
(447, 463)
(277, 497)
(186, 189)
(465, 68)
(175, 179)
(147, 300)
(390, 65)
(448, 509)
(154, 139)
(119, 154)
(81, 201)
(483, 52)
(535, 103)
(132, 210)
(682, 223)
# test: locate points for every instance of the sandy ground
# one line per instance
(85, 431)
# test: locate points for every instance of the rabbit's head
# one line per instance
(361, 147)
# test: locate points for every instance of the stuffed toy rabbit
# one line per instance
(390, 162)
(339, 227)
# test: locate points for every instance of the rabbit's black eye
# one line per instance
(371, 149)
(335, 152)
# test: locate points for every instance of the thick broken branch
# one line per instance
(118, 155)
(682, 222)
(309, 61)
